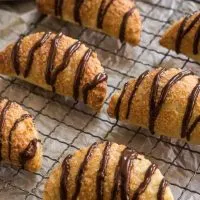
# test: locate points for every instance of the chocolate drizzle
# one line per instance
(66, 59)
(29, 152)
(58, 8)
(124, 23)
(182, 31)
(2, 121)
(79, 73)
(118, 105)
(122, 174)
(30, 57)
(151, 170)
(51, 73)
(15, 55)
(64, 177)
(186, 129)
(81, 171)
(99, 78)
(102, 12)
(155, 108)
(77, 7)
(162, 189)
(136, 86)
(102, 170)
(22, 118)
(196, 42)
(51, 57)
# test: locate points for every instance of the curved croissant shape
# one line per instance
(19, 143)
(58, 63)
(107, 171)
(166, 101)
(117, 18)
(184, 36)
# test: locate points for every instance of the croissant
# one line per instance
(106, 171)
(166, 101)
(19, 143)
(58, 63)
(117, 18)
(183, 36)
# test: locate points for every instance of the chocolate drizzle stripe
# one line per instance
(156, 107)
(56, 3)
(22, 118)
(29, 152)
(126, 166)
(102, 12)
(147, 179)
(180, 35)
(124, 23)
(102, 170)
(196, 42)
(182, 31)
(51, 57)
(30, 57)
(2, 121)
(77, 7)
(191, 25)
(162, 189)
(15, 55)
(64, 177)
(58, 8)
(193, 126)
(192, 99)
(152, 99)
(66, 59)
(79, 177)
(79, 73)
(99, 78)
(117, 177)
(136, 86)
(122, 174)
(118, 105)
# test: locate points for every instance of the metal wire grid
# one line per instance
(60, 131)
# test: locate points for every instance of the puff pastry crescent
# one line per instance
(19, 143)
(118, 18)
(166, 101)
(107, 171)
(184, 36)
(58, 63)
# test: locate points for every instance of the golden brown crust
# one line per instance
(88, 186)
(170, 118)
(89, 16)
(169, 38)
(65, 79)
(17, 139)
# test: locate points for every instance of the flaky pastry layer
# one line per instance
(106, 171)
(183, 36)
(58, 63)
(118, 18)
(19, 142)
(166, 101)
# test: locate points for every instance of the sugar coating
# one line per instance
(88, 187)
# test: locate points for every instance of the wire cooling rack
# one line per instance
(65, 126)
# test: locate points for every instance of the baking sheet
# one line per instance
(65, 127)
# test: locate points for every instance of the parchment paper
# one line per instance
(64, 127)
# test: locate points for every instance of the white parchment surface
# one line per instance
(63, 127)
